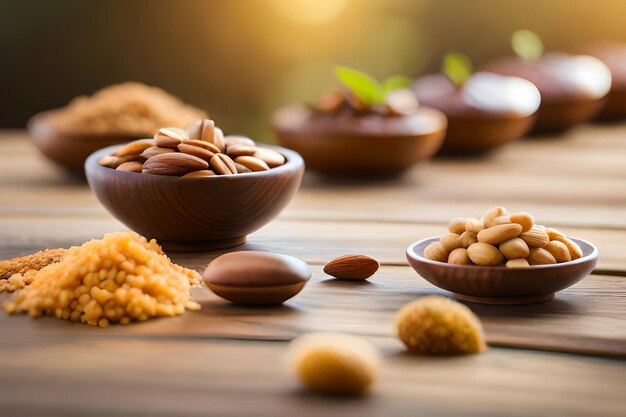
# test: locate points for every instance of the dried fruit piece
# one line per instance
(241, 150)
(436, 252)
(232, 140)
(270, 157)
(484, 254)
(352, 267)
(241, 169)
(200, 174)
(438, 325)
(500, 233)
(200, 152)
(155, 150)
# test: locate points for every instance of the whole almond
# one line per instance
(155, 150)
(241, 150)
(130, 166)
(468, 238)
(517, 263)
(252, 163)
(170, 137)
(202, 153)
(540, 256)
(202, 144)
(112, 161)
(484, 254)
(222, 164)
(536, 237)
(270, 157)
(200, 174)
(241, 169)
(218, 139)
(174, 164)
(500, 233)
(450, 241)
(203, 129)
(574, 250)
(514, 248)
(436, 252)
(491, 214)
(231, 140)
(135, 147)
(526, 220)
(473, 225)
(559, 251)
(501, 220)
(457, 225)
(553, 234)
(459, 256)
(352, 267)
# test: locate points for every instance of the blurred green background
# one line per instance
(240, 59)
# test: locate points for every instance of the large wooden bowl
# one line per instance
(195, 213)
(560, 116)
(70, 149)
(369, 144)
(499, 284)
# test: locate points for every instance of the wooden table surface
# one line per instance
(561, 358)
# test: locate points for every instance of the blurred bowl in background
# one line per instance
(613, 55)
(350, 143)
(488, 111)
(573, 87)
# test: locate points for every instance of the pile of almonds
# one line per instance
(501, 238)
(200, 151)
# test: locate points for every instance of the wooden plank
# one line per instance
(589, 317)
(146, 377)
(316, 242)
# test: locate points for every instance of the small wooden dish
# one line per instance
(192, 214)
(499, 284)
(69, 149)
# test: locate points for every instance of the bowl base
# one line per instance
(203, 246)
(505, 300)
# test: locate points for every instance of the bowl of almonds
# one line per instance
(502, 258)
(195, 189)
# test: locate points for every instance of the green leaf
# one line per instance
(362, 86)
(393, 83)
(526, 44)
(457, 67)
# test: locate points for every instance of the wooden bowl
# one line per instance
(195, 213)
(560, 116)
(499, 284)
(70, 149)
(354, 144)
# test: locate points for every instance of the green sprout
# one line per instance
(366, 88)
(457, 67)
(526, 44)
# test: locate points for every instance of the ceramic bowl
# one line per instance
(69, 149)
(195, 213)
(499, 284)
(355, 144)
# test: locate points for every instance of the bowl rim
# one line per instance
(411, 253)
(293, 161)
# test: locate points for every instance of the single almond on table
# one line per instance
(500, 233)
(525, 219)
(222, 164)
(135, 147)
(559, 251)
(536, 237)
(450, 241)
(130, 166)
(459, 256)
(436, 252)
(170, 137)
(540, 256)
(155, 150)
(352, 267)
(485, 254)
(514, 248)
(252, 163)
(174, 163)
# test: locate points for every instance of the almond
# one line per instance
(500, 220)
(130, 166)
(241, 150)
(200, 174)
(352, 267)
(525, 219)
(473, 225)
(459, 256)
(468, 238)
(457, 225)
(559, 250)
(450, 241)
(484, 254)
(112, 161)
(553, 234)
(574, 250)
(174, 163)
(491, 214)
(200, 152)
(231, 140)
(218, 140)
(514, 248)
(436, 252)
(170, 137)
(203, 130)
(540, 256)
(536, 237)
(155, 150)
(242, 169)
(517, 263)
(222, 164)
(500, 233)
(270, 157)
(252, 163)
(135, 147)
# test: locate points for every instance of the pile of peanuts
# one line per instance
(200, 151)
(500, 238)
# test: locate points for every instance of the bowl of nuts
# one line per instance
(502, 259)
(195, 189)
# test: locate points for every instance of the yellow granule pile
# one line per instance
(118, 279)
(129, 108)
(438, 325)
